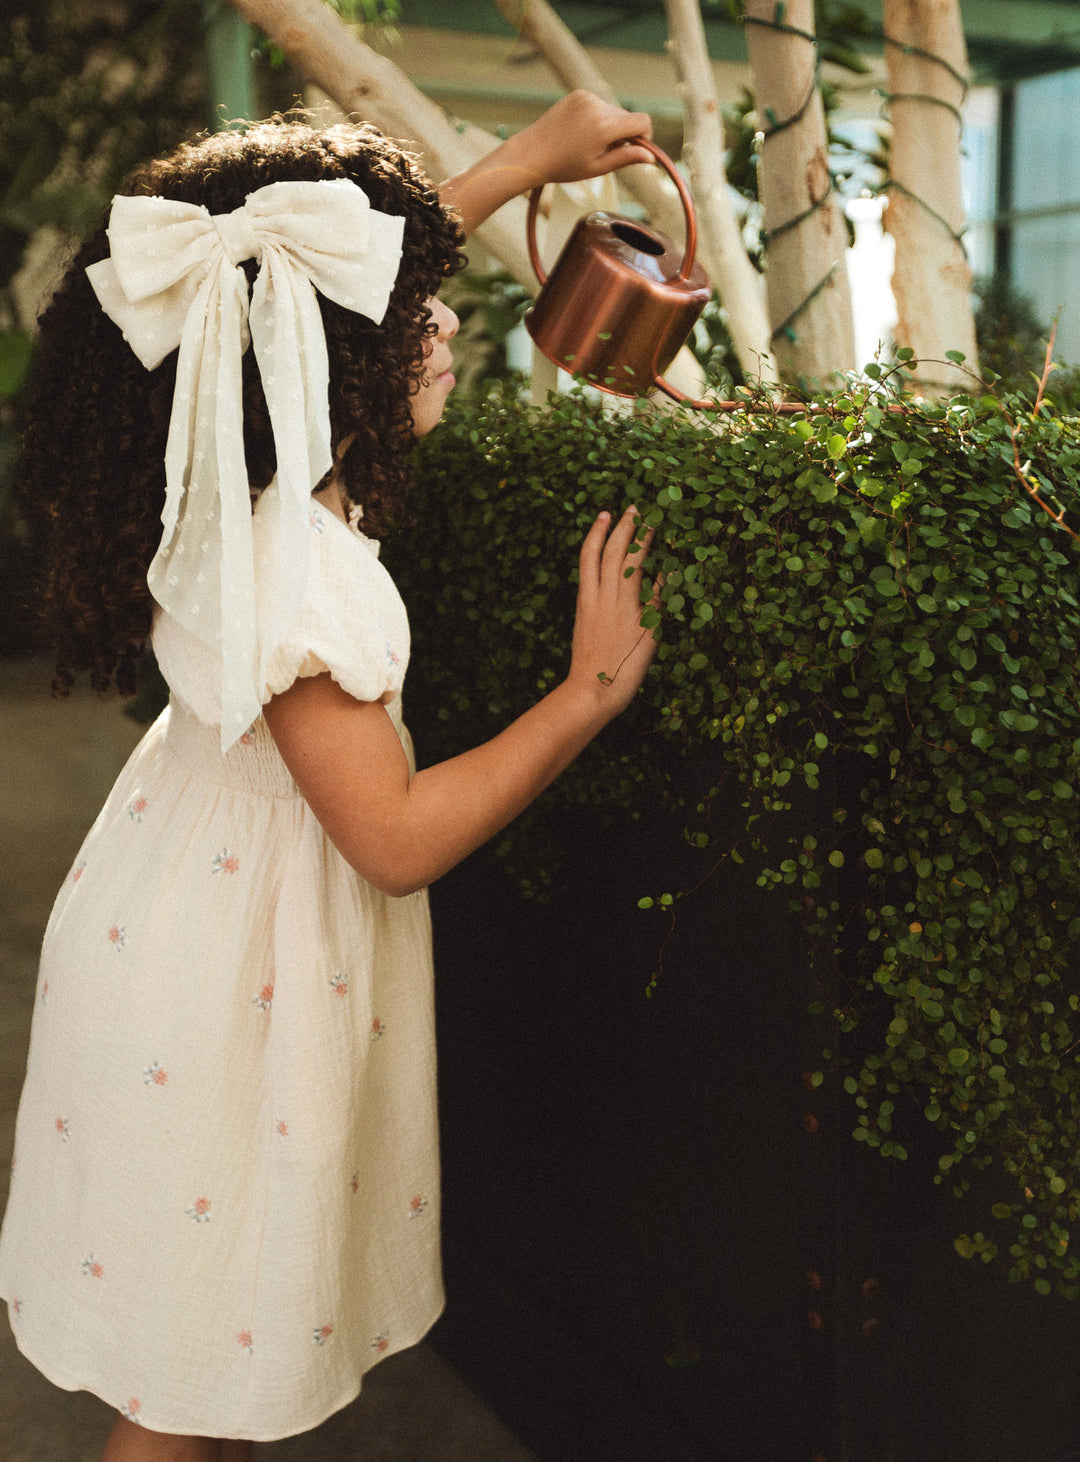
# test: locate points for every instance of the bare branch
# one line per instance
(367, 85)
(723, 254)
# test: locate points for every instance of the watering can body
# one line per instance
(621, 298)
(614, 308)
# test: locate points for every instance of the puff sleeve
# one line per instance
(352, 623)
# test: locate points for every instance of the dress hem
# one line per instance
(212, 1432)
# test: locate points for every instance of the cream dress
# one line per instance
(224, 1202)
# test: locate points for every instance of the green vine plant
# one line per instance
(872, 609)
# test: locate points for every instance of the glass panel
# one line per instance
(979, 153)
(1046, 267)
(1044, 156)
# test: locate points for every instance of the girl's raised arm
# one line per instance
(579, 137)
(402, 833)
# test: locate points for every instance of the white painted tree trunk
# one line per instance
(931, 276)
(722, 247)
(366, 85)
(806, 279)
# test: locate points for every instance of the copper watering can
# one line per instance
(621, 298)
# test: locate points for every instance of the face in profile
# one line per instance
(438, 378)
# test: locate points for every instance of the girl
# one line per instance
(224, 1200)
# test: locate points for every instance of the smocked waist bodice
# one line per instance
(253, 764)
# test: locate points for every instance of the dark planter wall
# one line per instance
(635, 1209)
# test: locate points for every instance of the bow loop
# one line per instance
(173, 281)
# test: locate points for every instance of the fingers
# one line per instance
(609, 128)
(605, 558)
(615, 550)
(590, 557)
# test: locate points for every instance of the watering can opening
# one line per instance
(636, 237)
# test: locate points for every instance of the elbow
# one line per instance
(395, 876)
(396, 887)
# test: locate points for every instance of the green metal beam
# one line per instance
(229, 41)
(1007, 39)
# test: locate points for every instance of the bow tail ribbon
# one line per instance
(203, 573)
(290, 345)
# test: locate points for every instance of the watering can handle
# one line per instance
(690, 247)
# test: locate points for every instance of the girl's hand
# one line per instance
(611, 652)
(581, 137)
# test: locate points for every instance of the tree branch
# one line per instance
(369, 86)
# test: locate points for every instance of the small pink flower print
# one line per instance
(244, 1338)
(117, 937)
(92, 1267)
(137, 808)
(315, 519)
(248, 738)
(392, 656)
(416, 1205)
(339, 984)
(132, 1409)
(153, 1075)
(199, 1212)
(378, 1028)
(77, 871)
(45, 992)
(281, 1128)
(16, 1305)
(322, 1334)
(381, 1344)
(264, 999)
(225, 862)
(354, 1182)
(62, 1128)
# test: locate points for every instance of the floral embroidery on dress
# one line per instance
(393, 659)
(16, 1306)
(339, 984)
(244, 1338)
(77, 871)
(381, 1344)
(132, 1409)
(248, 738)
(354, 1182)
(117, 937)
(315, 518)
(153, 1075)
(322, 1334)
(416, 1205)
(265, 998)
(225, 862)
(137, 808)
(93, 1267)
(62, 1127)
(44, 992)
(199, 1212)
(378, 1028)
(280, 1127)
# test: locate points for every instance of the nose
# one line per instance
(444, 318)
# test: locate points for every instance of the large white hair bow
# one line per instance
(173, 279)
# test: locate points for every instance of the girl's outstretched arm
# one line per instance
(579, 137)
(402, 833)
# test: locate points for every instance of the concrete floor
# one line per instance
(57, 762)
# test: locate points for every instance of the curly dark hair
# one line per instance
(92, 475)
